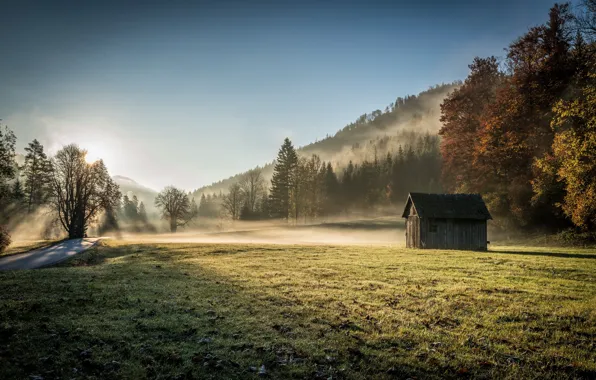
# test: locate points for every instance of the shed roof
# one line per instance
(449, 206)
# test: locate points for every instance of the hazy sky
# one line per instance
(190, 94)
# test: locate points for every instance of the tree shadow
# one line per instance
(151, 311)
(155, 311)
(546, 254)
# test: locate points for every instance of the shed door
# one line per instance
(413, 232)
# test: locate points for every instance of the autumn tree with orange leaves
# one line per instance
(508, 130)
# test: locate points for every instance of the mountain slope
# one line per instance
(362, 139)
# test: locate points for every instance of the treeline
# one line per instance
(306, 189)
(127, 215)
(522, 131)
(67, 195)
(71, 192)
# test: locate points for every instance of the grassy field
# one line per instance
(125, 310)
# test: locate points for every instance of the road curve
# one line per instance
(46, 256)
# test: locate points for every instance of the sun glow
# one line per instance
(95, 153)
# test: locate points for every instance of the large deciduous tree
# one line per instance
(176, 207)
(233, 201)
(497, 124)
(517, 124)
(80, 190)
(462, 117)
(572, 163)
(252, 186)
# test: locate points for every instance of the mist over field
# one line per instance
(380, 231)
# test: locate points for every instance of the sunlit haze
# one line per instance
(188, 95)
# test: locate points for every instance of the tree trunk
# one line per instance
(173, 225)
(77, 226)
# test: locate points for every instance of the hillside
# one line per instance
(377, 132)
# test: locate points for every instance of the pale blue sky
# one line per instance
(188, 95)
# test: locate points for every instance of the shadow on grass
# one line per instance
(12, 251)
(152, 312)
(546, 254)
(145, 311)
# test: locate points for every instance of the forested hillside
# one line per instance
(378, 132)
(520, 130)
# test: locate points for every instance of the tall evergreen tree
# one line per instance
(36, 172)
(283, 182)
(18, 195)
(135, 204)
(194, 208)
(7, 163)
(142, 215)
(204, 206)
(331, 186)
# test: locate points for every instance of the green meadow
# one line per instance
(184, 311)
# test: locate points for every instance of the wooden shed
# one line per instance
(446, 221)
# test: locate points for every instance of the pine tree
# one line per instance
(36, 175)
(203, 206)
(194, 209)
(7, 164)
(283, 181)
(126, 207)
(265, 207)
(142, 215)
(18, 195)
(135, 205)
(347, 184)
(331, 190)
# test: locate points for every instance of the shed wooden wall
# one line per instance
(467, 234)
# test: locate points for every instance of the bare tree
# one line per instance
(80, 190)
(176, 207)
(232, 201)
(252, 186)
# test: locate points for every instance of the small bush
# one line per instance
(4, 238)
(574, 237)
